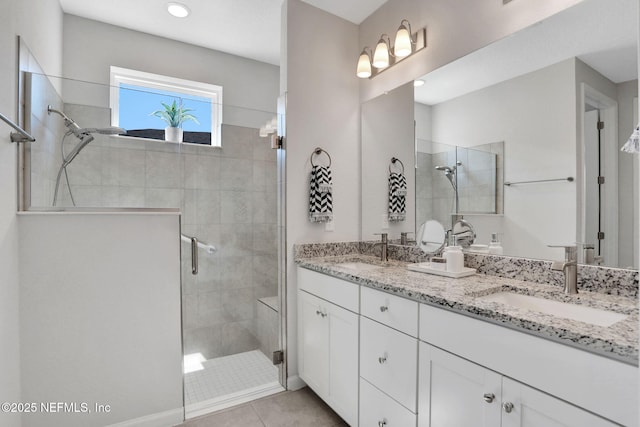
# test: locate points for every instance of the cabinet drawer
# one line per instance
(398, 313)
(389, 361)
(378, 409)
(340, 292)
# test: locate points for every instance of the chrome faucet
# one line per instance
(569, 267)
(404, 237)
(384, 246)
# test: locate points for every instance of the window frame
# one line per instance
(119, 75)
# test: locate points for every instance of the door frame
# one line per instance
(609, 136)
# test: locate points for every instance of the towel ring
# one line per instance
(393, 161)
(317, 152)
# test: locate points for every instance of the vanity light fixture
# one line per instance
(404, 43)
(178, 10)
(381, 54)
(364, 64)
(385, 56)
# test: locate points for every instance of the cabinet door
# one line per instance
(454, 392)
(343, 362)
(524, 406)
(313, 342)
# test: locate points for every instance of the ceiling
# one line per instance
(602, 33)
(247, 28)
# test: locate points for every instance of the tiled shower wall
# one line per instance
(228, 199)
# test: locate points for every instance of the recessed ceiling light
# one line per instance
(418, 83)
(178, 10)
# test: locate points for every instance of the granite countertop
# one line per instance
(618, 341)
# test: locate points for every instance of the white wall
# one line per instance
(40, 24)
(535, 116)
(323, 110)
(628, 188)
(454, 29)
(94, 333)
(91, 47)
(387, 131)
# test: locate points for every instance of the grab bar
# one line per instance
(194, 256)
(570, 179)
(195, 244)
(21, 135)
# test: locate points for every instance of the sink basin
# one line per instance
(359, 266)
(580, 313)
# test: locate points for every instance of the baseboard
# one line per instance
(160, 419)
(295, 383)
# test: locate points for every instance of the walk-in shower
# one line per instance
(85, 135)
(231, 312)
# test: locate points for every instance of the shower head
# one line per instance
(85, 139)
(445, 169)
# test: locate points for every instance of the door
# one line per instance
(453, 392)
(524, 406)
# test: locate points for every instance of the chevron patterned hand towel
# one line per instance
(397, 195)
(320, 195)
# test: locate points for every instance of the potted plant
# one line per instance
(174, 115)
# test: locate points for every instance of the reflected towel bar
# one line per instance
(569, 179)
(20, 135)
(210, 249)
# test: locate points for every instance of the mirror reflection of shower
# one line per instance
(451, 173)
(85, 136)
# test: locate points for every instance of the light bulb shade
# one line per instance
(381, 55)
(364, 66)
(402, 46)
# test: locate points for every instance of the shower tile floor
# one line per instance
(225, 377)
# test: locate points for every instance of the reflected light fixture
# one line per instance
(178, 10)
(381, 54)
(418, 83)
(364, 64)
(385, 56)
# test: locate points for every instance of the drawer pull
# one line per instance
(508, 407)
(384, 308)
(488, 397)
(319, 313)
(382, 423)
(382, 359)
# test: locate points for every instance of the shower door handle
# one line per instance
(194, 256)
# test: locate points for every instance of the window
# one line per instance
(135, 95)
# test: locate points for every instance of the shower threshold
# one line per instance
(228, 381)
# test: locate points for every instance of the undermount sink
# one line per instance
(580, 313)
(360, 266)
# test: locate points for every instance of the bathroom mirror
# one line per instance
(431, 237)
(540, 93)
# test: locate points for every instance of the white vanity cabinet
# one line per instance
(455, 392)
(500, 377)
(328, 340)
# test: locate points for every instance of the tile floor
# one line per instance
(301, 408)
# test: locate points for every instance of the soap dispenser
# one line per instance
(495, 248)
(454, 257)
